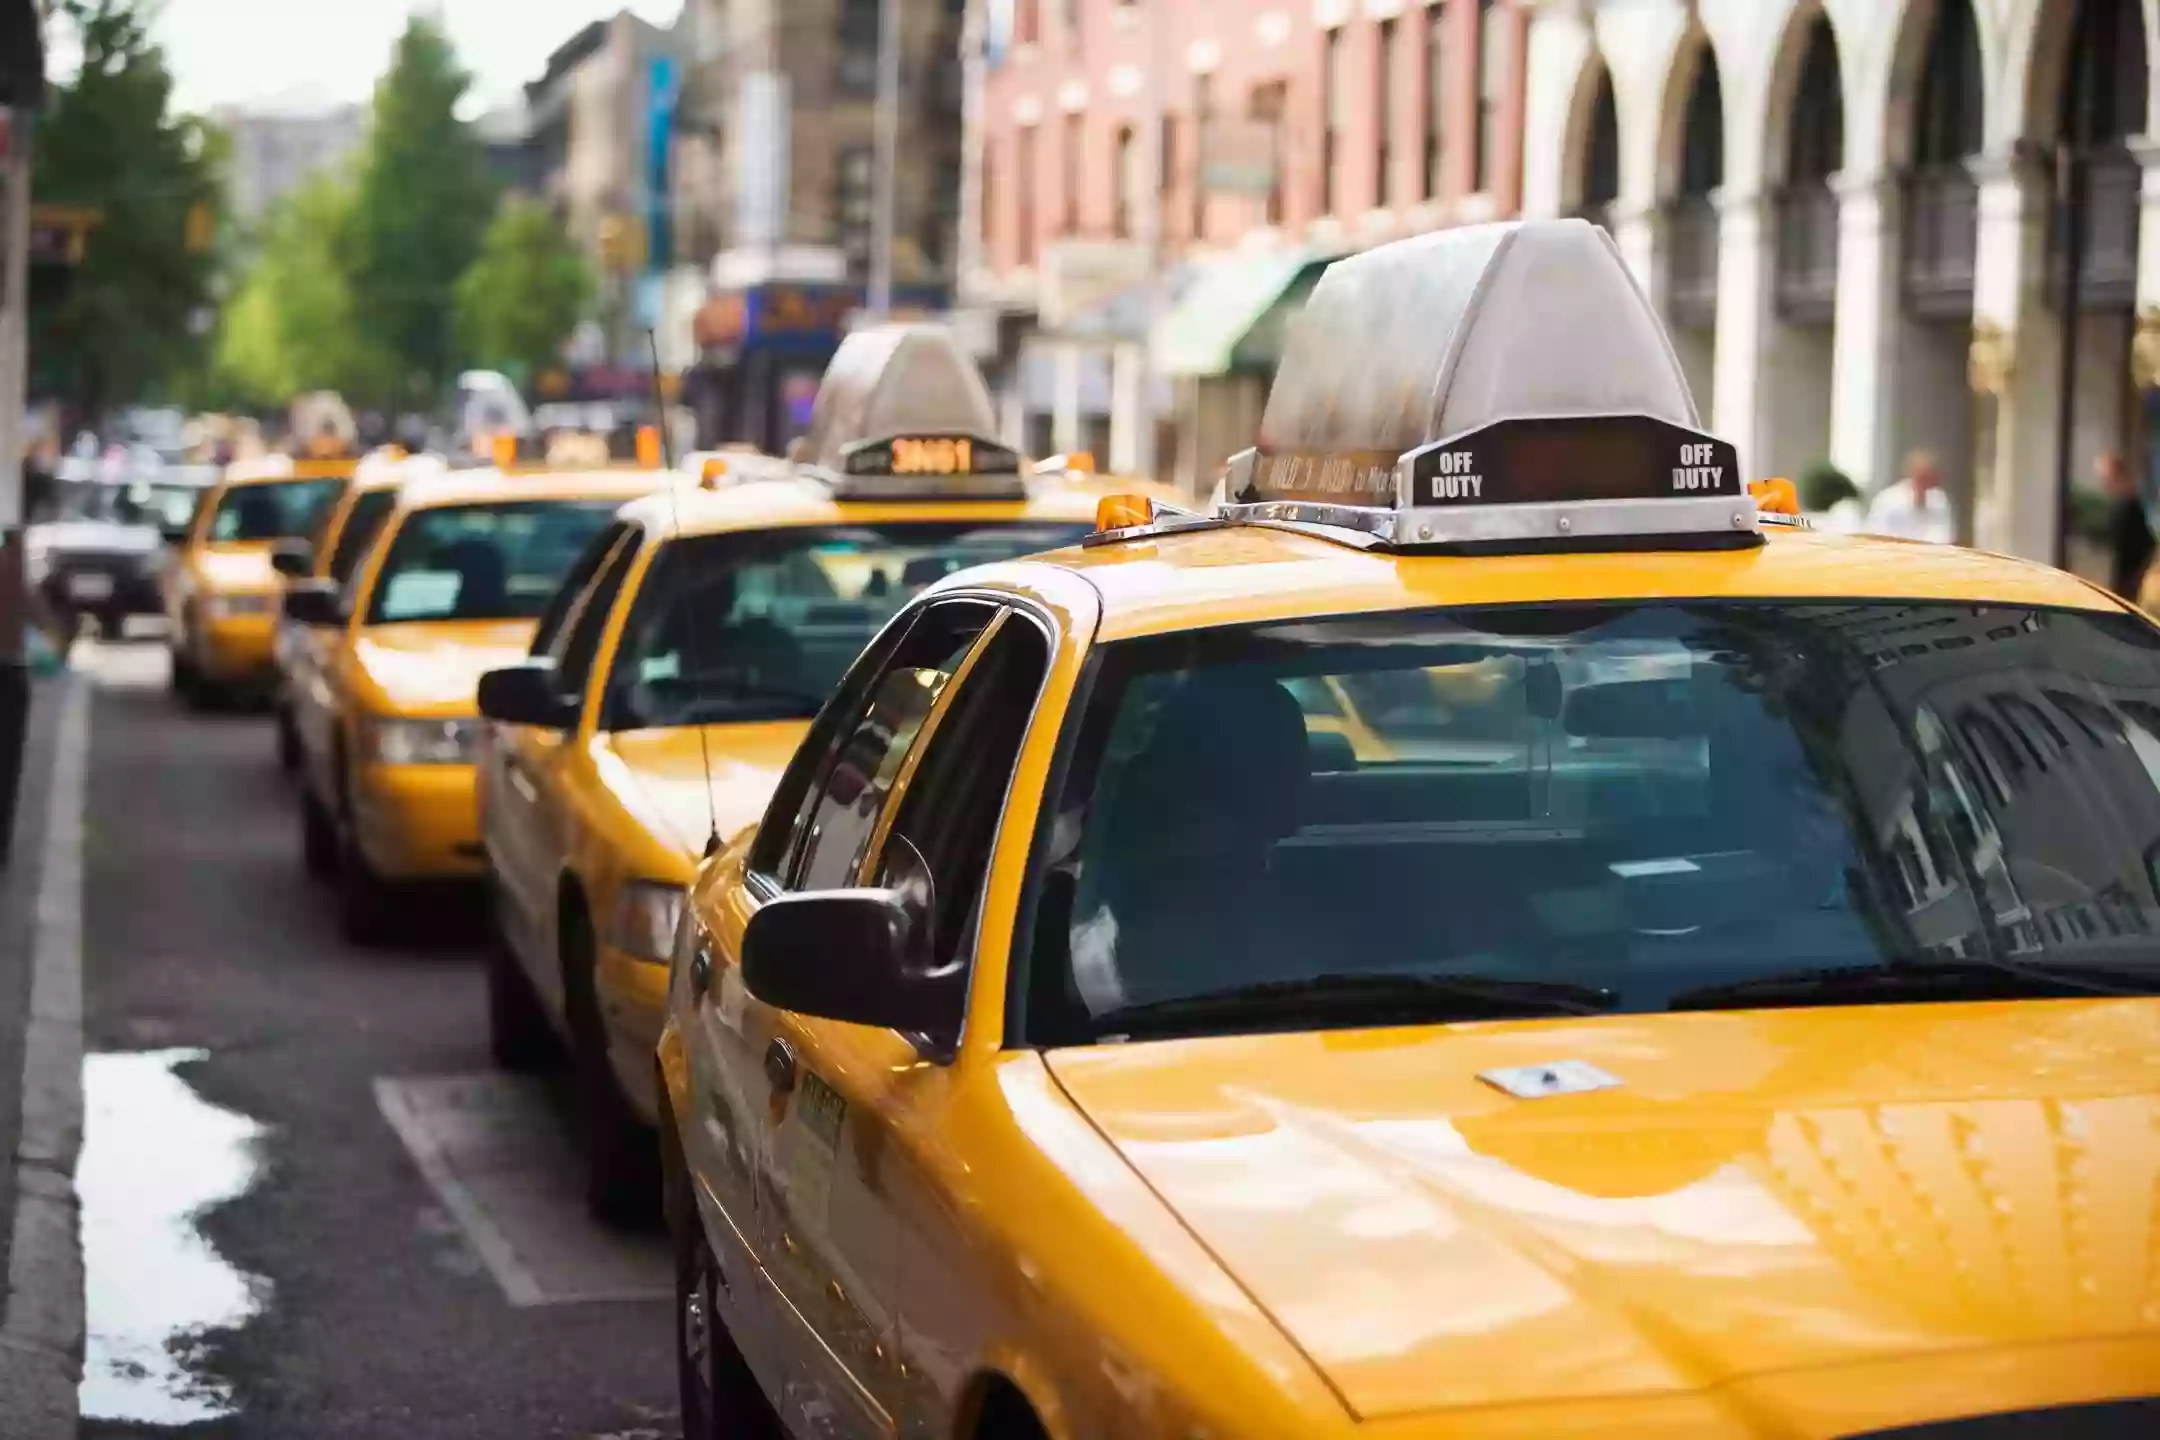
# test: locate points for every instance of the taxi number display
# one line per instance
(933, 455)
(1552, 461)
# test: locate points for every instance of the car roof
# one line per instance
(485, 484)
(273, 468)
(775, 504)
(1244, 574)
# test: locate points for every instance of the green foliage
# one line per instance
(526, 293)
(290, 325)
(420, 208)
(1822, 485)
(121, 326)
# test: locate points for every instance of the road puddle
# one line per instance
(155, 1155)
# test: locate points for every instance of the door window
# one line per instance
(581, 639)
(556, 617)
(838, 818)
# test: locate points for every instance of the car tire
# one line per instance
(318, 838)
(366, 902)
(519, 1035)
(288, 740)
(622, 1153)
(186, 684)
(719, 1394)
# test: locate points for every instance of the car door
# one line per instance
(526, 830)
(822, 1083)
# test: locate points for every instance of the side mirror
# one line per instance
(527, 695)
(294, 559)
(851, 955)
(314, 603)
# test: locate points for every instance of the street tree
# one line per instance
(290, 325)
(126, 323)
(421, 207)
(526, 293)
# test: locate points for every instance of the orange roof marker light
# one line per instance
(1077, 462)
(712, 472)
(503, 448)
(1777, 501)
(648, 446)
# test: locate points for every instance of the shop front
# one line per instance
(762, 349)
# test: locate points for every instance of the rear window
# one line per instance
(272, 510)
(483, 562)
(1600, 808)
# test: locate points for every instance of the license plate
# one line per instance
(90, 586)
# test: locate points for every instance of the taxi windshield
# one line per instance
(1639, 807)
(272, 510)
(762, 625)
(498, 561)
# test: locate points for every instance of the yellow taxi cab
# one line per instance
(1756, 1035)
(221, 589)
(453, 585)
(326, 559)
(709, 624)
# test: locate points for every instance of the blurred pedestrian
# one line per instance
(1913, 507)
(2130, 536)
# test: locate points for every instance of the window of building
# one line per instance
(855, 202)
(1271, 103)
(1203, 105)
(986, 197)
(1435, 89)
(1166, 169)
(855, 57)
(1025, 179)
(1492, 42)
(1334, 102)
(1027, 22)
(1384, 111)
(1124, 182)
(1074, 131)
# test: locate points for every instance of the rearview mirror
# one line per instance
(314, 603)
(294, 559)
(527, 695)
(851, 955)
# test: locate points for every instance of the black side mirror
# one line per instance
(527, 695)
(294, 559)
(851, 955)
(314, 603)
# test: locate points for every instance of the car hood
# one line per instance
(668, 781)
(237, 568)
(435, 667)
(1762, 1192)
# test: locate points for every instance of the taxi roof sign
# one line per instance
(1499, 386)
(903, 412)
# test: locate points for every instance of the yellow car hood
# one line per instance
(435, 667)
(236, 569)
(1897, 1189)
(667, 769)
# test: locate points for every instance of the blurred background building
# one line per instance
(274, 152)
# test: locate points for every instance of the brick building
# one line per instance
(1153, 186)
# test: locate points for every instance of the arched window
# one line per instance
(1816, 150)
(1702, 143)
(2104, 99)
(1949, 127)
(1601, 162)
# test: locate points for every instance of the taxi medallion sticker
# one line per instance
(1560, 1077)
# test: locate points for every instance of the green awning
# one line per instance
(1235, 316)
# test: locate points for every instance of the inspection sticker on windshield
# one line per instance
(1561, 1077)
(421, 594)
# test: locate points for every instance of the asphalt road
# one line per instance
(242, 1065)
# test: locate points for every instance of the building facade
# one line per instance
(1879, 225)
(1153, 187)
(776, 158)
(273, 154)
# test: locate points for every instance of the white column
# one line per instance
(1130, 421)
(1065, 398)
(1639, 232)
(1865, 390)
(1745, 316)
(2018, 340)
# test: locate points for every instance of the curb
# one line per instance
(41, 1344)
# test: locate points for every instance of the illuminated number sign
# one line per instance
(936, 455)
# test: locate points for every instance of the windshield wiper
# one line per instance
(1424, 997)
(1895, 981)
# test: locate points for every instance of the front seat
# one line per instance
(1174, 887)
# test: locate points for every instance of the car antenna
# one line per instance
(697, 643)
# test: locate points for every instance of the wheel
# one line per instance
(519, 1035)
(366, 902)
(288, 740)
(318, 837)
(622, 1155)
(720, 1396)
(186, 684)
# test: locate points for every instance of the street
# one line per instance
(433, 1277)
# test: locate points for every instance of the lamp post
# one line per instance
(886, 193)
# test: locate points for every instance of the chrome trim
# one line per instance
(1575, 520)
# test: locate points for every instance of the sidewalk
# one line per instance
(40, 1071)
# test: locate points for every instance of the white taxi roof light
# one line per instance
(903, 413)
(1499, 386)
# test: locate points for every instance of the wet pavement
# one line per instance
(303, 1186)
